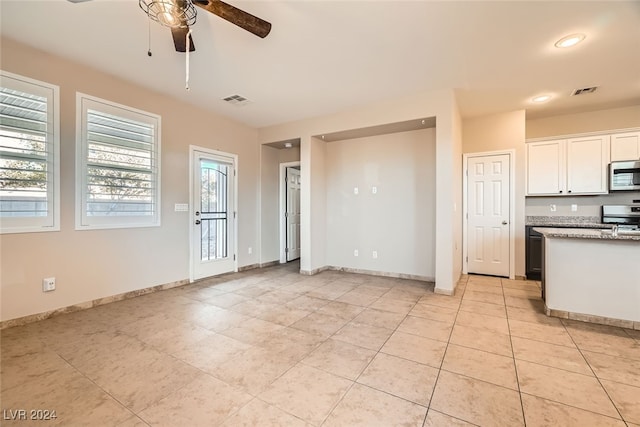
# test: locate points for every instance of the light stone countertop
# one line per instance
(566, 221)
(587, 233)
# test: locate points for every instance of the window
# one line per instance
(29, 155)
(118, 166)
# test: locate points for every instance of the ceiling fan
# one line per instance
(180, 14)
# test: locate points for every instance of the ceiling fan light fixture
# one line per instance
(170, 13)
(167, 19)
(570, 40)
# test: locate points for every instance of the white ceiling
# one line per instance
(326, 56)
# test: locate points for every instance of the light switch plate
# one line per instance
(181, 207)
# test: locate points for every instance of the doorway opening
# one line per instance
(289, 217)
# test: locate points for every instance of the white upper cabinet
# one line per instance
(625, 146)
(587, 161)
(574, 166)
(546, 167)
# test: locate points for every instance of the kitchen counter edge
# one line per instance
(584, 233)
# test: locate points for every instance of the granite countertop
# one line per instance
(586, 233)
(566, 221)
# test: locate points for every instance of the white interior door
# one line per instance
(293, 214)
(488, 215)
(213, 239)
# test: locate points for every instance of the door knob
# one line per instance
(197, 222)
(504, 222)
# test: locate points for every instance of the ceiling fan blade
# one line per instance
(180, 39)
(242, 19)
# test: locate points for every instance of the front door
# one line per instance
(488, 215)
(213, 214)
(293, 214)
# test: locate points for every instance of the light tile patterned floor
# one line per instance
(271, 347)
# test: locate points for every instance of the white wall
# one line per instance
(269, 240)
(312, 205)
(592, 121)
(438, 104)
(92, 264)
(448, 197)
(457, 170)
(399, 220)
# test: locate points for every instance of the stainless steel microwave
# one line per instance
(624, 176)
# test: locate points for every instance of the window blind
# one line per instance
(121, 166)
(27, 147)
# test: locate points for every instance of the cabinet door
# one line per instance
(625, 146)
(545, 168)
(587, 160)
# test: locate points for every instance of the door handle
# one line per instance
(504, 223)
(197, 222)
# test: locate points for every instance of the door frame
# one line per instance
(282, 221)
(192, 150)
(512, 206)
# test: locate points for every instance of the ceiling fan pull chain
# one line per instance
(149, 51)
(188, 44)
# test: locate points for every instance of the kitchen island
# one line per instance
(592, 275)
(533, 239)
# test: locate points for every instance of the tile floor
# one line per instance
(271, 347)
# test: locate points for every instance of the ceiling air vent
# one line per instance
(584, 90)
(236, 100)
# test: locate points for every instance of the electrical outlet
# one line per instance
(374, 190)
(355, 190)
(355, 252)
(250, 250)
(375, 254)
(552, 208)
(49, 284)
(574, 208)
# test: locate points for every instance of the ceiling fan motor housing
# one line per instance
(170, 13)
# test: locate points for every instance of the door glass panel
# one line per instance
(214, 213)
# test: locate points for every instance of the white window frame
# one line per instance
(85, 102)
(51, 222)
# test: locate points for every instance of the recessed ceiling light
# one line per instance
(570, 40)
(541, 98)
(288, 145)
